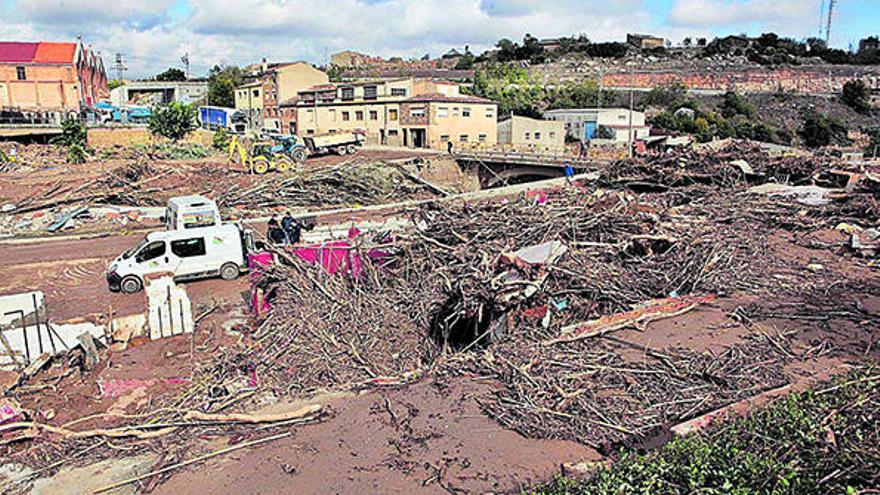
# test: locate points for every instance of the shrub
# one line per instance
(821, 130)
(221, 138)
(73, 132)
(173, 121)
(857, 95)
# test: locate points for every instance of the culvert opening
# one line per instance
(455, 327)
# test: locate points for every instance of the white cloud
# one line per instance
(153, 34)
(137, 14)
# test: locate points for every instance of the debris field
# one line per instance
(601, 312)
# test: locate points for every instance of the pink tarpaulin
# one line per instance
(338, 256)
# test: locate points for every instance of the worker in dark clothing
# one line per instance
(449, 147)
(274, 233)
(287, 225)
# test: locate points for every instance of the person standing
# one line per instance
(274, 229)
(287, 225)
(449, 146)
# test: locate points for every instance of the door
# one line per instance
(152, 258)
(191, 257)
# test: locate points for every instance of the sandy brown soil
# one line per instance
(426, 438)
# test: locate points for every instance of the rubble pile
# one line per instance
(355, 182)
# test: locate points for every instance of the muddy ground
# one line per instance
(431, 434)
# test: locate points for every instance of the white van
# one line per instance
(187, 254)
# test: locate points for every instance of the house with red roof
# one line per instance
(50, 77)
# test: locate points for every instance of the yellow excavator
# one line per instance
(264, 156)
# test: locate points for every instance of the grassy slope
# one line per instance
(824, 441)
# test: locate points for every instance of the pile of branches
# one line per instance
(588, 392)
(686, 167)
(355, 182)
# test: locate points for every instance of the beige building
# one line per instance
(261, 99)
(524, 133)
(401, 112)
(249, 99)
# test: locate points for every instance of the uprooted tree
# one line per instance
(173, 121)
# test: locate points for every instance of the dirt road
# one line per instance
(71, 274)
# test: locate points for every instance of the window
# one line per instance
(359, 115)
(151, 251)
(444, 138)
(20, 72)
(369, 92)
(537, 136)
(417, 112)
(392, 132)
(331, 131)
(398, 91)
(482, 138)
(310, 131)
(490, 113)
(621, 117)
(392, 114)
(465, 112)
(463, 138)
(346, 116)
(552, 135)
(187, 248)
(443, 112)
(374, 115)
(455, 111)
(347, 93)
(528, 135)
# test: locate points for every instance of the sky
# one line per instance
(154, 34)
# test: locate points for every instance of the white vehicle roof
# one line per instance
(164, 235)
(193, 201)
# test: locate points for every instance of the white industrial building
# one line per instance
(149, 93)
(611, 124)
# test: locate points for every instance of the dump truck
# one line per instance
(341, 143)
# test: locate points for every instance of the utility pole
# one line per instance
(119, 65)
(831, 4)
(185, 60)
(629, 136)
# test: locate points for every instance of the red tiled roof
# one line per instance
(42, 52)
(439, 97)
(320, 87)
(55, 53)
(12, 52)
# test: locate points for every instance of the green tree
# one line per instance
(668, 96)
(173, 121)
(821, 130)
(857, 95)
(513, 88)
(734, 104)
(74, 137)
(172, 74)
(222, 82)
(114, 83)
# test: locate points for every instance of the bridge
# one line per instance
(497, 168)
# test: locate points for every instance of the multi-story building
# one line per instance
(50, 77)
(523, 133)
(586, 124)
(249, 99)
(402, 112)
(260, 99)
